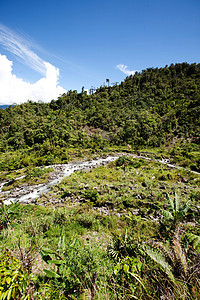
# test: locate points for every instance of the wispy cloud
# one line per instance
(21, 47)
(124, 69)
(17, 90)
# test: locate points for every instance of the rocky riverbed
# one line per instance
(28, 193)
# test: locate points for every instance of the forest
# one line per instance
(149, 109)
(129, 229)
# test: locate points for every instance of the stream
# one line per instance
(26, 194)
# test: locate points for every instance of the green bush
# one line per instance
(92, 195)
(14, 282)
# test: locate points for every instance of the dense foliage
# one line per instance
(150, 108)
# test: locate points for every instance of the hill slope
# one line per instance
(150, 108)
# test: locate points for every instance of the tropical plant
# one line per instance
(176, 268)
(6, 211)
(172, 216)
(122, 245)
(15, 283)
(72, 267)
(194, 239)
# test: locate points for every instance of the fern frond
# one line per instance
(166, 250)
(176, 203)
(85, 295)
(185, 208)
(61, 242)
(167, 214)
(113, 253)
(171, 203)
(160, 260)
(195, 240)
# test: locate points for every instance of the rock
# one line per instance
(185, 180)
(163, 187)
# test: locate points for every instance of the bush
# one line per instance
(14, 281)
(92, 195)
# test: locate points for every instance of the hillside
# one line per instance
(149, 109)
(127, 228)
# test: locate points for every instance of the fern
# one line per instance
(176, 203)
(167, 214)
(160, 260)
(171, 204)
(61, 242)
(185, 208)
(85, 295)
(175, 213)
(195, 240)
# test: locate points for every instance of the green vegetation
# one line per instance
(127, 230)
(27, 176)
(153, 108)
(117, 233)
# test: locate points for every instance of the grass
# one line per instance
(141, 184)
(121, 199)
(28, 176)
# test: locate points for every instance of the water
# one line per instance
(27, 196)
(32, 192)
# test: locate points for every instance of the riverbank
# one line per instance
(96, 220)
(26, 193)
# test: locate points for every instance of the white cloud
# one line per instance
(123, 68)
(16, 90)
(21, 47)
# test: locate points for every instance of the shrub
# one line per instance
(92, 195)
(14, 283)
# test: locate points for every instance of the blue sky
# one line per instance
(81, 43)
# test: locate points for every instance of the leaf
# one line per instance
(61, 243)
(185, 208)
(159, 258)
(8, 280)
(56, 262)
(137, 278)
(167, 214)
(47, 251)
(4, 295)
(170, 202)
(14, 292)
(85, 295)
(126, 268)
(195, 239)
(51, 274)
(176, 203)
(9, 293)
